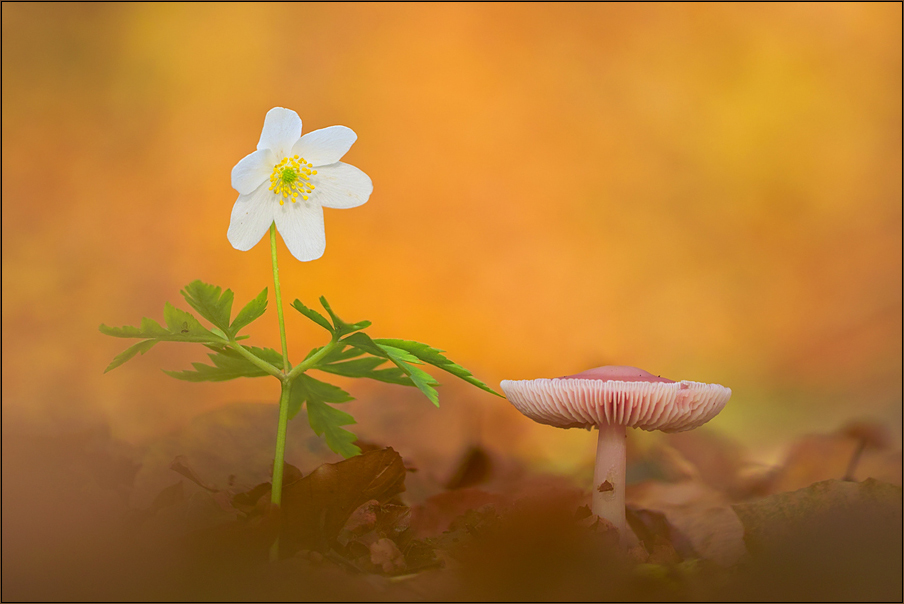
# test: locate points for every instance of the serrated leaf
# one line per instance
(340, 327)
(363, 342)
(130, 352)
(229, 365)
(326, 420)
(149, 329)
(152, 328)
(403, 359)
(313, 315)
(353, 368)
(210, 301)
(185, 329)
(251, 312)
(366, 368)
(398, 353)
(184, 324)
(274, 357)
(391, 375)
(423, 380)
(434, 357)
(308, 389)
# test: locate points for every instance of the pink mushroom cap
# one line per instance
(617, 395)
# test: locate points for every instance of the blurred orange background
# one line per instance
(708, 192)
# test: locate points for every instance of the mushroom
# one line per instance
(613, 398)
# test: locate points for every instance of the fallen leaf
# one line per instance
(364, 518)
(180, 465)
(655, 532)
(716, 458)
(768, 521)
(832, 541)
(698, 512)
(248, 502)
(316, 507)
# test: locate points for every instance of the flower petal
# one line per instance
(282, 128)
(341, 186)
(252, 171)
(301, 227)
(325, 146)
(252, 215)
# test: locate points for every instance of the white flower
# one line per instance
(289, 180)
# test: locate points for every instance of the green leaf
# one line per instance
(362, 342)
(229, 365)
(149, 329)
(183, 327)
(326, 420)
(130, 352)
(210, 301)
(341, 353)
(366, 368)
(402, 359)
(341, 327)
(434, 357)
(353, 368)
(307, 389)
(391, 375)
(251, 312)
(183, 324)
(313, 315)
(423, 380)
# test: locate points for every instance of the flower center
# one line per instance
(292, 177)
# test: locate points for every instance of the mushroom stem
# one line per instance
(608, 500)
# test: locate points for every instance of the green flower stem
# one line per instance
(286, 383)
(279, 464)
(260, 363)
(279, 311)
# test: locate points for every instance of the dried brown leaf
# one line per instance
(832, 541)
(180, 465)
(767, 522)
(716, 458)
(696, 511)
(316, 507)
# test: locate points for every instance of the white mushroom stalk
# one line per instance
(613, 398)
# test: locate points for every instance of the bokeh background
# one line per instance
(708, 192)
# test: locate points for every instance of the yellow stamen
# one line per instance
(292, 176)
